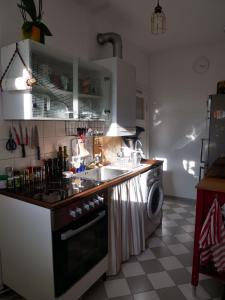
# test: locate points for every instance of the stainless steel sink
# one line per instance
(102, 174)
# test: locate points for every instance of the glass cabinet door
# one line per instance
(93, 92)
(52, 95)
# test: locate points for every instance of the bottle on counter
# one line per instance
(17, 179)
(60, 160)
(3, 181)
(10, 182)
(60, 152)
(65, 159)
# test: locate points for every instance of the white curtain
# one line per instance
(126, 223)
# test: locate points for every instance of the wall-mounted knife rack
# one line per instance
(72, 127)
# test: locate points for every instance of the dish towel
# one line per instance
(212, 238)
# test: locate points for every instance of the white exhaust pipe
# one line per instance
(114, 39)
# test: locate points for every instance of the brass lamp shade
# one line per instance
(158, 20)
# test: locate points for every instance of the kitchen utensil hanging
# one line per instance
(36, 142)
(22, 143)
(11, 144)
(19, 139)
(26, 137)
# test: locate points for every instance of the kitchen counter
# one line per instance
(38, 233)
(212, 184)
(148, 164)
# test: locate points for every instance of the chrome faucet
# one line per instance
(137, 145)
(97, 159)
(137, 153)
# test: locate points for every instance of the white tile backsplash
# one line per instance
(40, 127)
(49, 129)
(63, 141)
(5, 163)
(5, 154)
(4, 129)
(50, 155)
(34, 162)
(21, 162)
(60, 128)
(49, 144)
(51, 136)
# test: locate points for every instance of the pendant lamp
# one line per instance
(158, 20)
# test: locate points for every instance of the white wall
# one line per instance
(179, 94)
(69, 24)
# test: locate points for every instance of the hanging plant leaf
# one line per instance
(44, 28)
(29, 7)
(40, 12)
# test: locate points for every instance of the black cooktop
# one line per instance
(55, 190)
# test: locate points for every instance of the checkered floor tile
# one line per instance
(163, 270)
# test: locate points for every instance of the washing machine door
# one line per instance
(155, 199)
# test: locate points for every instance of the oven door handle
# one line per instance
(70, 233)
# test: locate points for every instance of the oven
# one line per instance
(80, 240)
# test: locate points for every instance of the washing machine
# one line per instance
(153, 196)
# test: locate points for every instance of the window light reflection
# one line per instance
(156, 117)
(165, 168)
(27, 104)
(189, 166)
(192, 136)
(21, 82)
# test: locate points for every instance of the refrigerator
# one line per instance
(213, 145)
(1, 283)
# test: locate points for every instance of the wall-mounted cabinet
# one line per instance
(123, 114)
(141, 108)
(67, 88)
(93, 92)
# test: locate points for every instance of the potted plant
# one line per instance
(33, 27)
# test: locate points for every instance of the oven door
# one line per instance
(78, 247)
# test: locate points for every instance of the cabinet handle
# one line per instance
(70, 233)
(200, 173)
(202, 145)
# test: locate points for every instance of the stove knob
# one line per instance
(86, 207)
(78, 210)
(96, 201)
(73, 213)
(101, 199)
(91, 203)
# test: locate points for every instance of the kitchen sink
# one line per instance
(102, 174)
(128, 168)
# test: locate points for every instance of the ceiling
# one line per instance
(189, 22)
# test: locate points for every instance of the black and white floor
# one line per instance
(163, 271)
